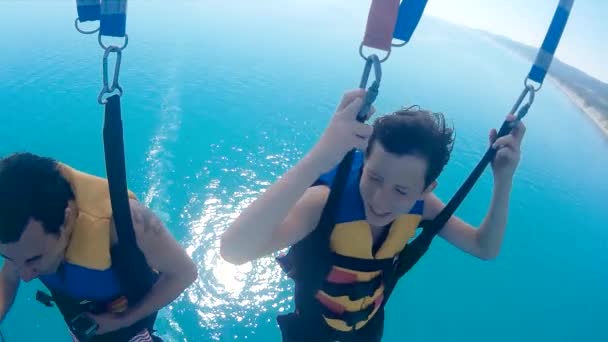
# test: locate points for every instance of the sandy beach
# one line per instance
(600, 119)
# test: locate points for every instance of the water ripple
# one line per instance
(229, 297)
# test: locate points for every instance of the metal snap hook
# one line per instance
(107, 88)
(372, 91)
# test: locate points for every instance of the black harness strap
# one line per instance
(113, 143)
(308, 262)
(312, 268)
(136, 276)
(413, 251)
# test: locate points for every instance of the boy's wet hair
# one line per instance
(31, 187)
(415, 131)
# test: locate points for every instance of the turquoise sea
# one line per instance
(221, 98)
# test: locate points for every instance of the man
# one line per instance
(56, 225)
(388, 193)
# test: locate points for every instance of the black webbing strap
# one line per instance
(413, 251)
(113, 143)
(317, 266)
(135, 271)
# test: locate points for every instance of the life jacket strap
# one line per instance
(351, 318)
(354, 291)
(44, 298)
(362, 265)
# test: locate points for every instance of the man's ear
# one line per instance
(430, 188)
(67, 218)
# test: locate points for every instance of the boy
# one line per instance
(388, 193)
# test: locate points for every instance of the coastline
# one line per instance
(600, 120)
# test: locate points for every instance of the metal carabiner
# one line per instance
(372, 91)
(115, 85)
(507, 126)
(521, 112)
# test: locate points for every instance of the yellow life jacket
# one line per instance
(354, 290)
(342, 278)
(96, 276)
(91, 231)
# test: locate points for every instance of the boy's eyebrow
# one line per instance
(373, 172)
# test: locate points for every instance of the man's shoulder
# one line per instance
(137, 210)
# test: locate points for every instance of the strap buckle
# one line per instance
(45, 299)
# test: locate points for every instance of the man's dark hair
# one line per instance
(416, 132)
(31, 187)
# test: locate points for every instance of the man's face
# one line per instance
(391, 184)
(37, 252)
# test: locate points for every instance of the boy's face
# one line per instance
(391, 184)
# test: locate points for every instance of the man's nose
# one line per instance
(27, 274)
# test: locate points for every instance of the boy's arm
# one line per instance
(483, 242)
(290, 208)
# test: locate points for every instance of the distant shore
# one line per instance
(600, 119)
(559, 68)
